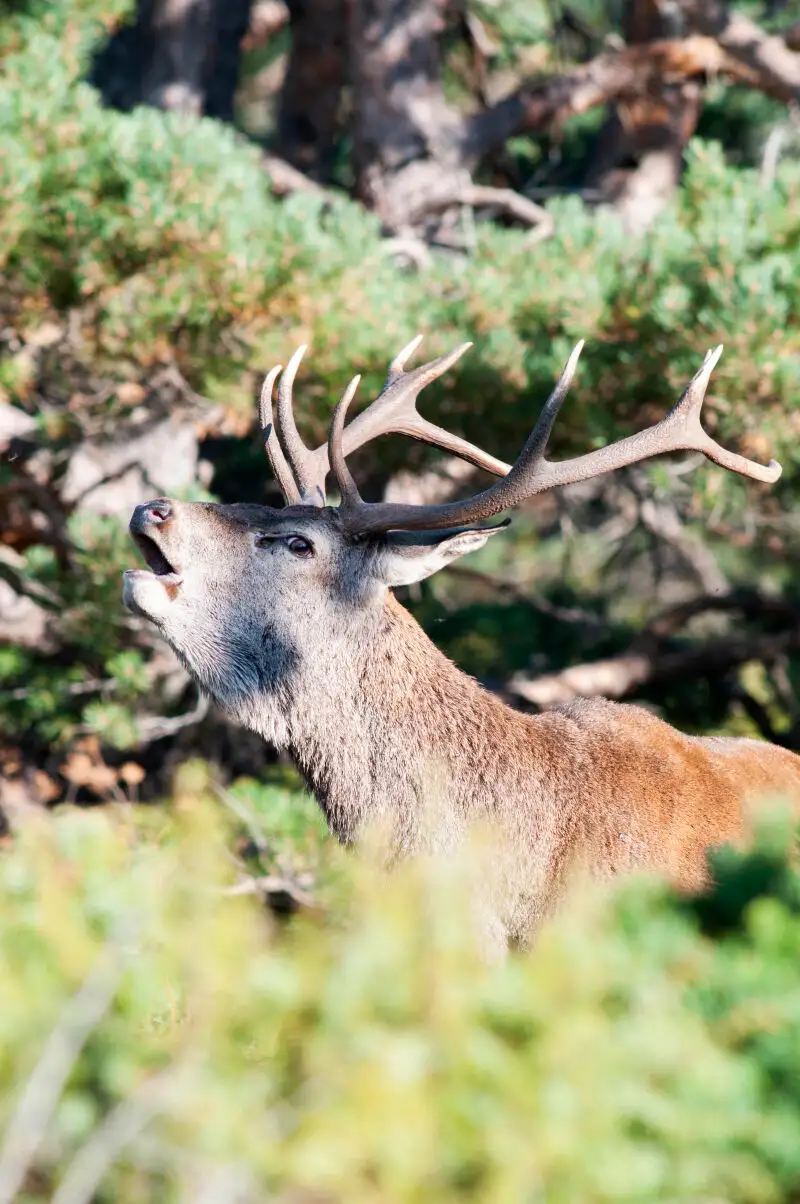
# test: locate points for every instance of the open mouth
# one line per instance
(168, 574)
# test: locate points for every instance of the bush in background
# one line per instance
(131, 243)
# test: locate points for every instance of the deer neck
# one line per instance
(389, 730)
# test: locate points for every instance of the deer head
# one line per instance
(246, 594)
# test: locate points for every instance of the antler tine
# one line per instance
(394, 411)
(686, 412)
(347, 487)
(399, 362)
(368, 518)
(277, 460)
(680, 430)
(303, 461)
(534, 449)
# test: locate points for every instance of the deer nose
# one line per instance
(151, 514)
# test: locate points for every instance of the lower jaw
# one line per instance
(169, 582)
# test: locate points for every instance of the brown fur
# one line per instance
(319, 657)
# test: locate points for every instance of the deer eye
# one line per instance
(299, 546)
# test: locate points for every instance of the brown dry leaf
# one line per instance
(85, 767)
(10, 762)
(756, 446)
(232, 422)
(46, 335)
(130, 393)
(103, 779)
(89, 744)
(131, 773)
(77, 401)
(78, 768)
(44, 788)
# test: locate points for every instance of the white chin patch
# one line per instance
(149, 594)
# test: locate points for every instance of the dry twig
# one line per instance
(42, 1091)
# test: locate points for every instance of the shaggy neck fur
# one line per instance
(358, 726)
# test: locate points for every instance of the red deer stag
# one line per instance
(286, 618)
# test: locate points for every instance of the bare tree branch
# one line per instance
(280, 894)
(662, 519)
(43, 1089)
(620, 676)
(521, 208)
(755, 711)
(156, 727)
(84, 1175)
(285, 179)
(771, 65)
(647, 662)
(574, 615)
(632, 71)
(505, 200)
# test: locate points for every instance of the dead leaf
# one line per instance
(130, 393)
(10, 762)
(45, 789)
(131, 773)
(756, 446)
(85, 767)
(46, 335)
(78, 768)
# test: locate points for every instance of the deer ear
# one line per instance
(409, 556)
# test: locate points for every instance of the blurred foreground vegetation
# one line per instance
(161, 1038)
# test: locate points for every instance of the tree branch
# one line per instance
(628, 72)
(620, 676)
(285, 179)
(772, 66)
(647, 662)
(520, 207)
(514, 204)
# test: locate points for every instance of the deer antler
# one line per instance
(277, 460)
(680, 430)
(394, 411)
(301, 472)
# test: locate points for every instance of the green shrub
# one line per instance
(370, 1056)
(163, 235)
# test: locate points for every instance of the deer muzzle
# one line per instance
(146, 590)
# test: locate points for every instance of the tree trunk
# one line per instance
(406, 152)
(308, 123)
(220, 78)
(179, 54)
(639, 151)
(177, 34)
